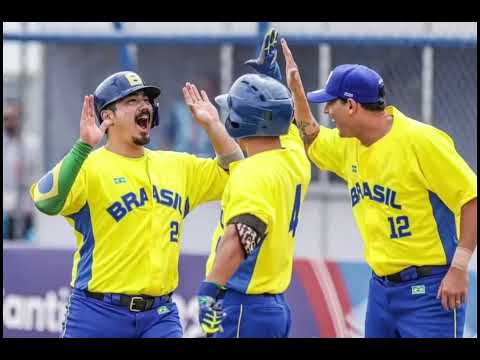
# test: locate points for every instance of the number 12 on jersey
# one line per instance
(399, 227)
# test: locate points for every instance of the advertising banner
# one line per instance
(328, 299)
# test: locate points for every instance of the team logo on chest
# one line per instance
(131, 200)
(374, 192)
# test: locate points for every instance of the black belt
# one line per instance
(421, 271)
(134, 303)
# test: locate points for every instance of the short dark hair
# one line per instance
(376, 106)
(112, 106)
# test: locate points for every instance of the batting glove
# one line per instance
(266, 63)
(210, 314)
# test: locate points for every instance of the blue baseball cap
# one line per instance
(350, 81)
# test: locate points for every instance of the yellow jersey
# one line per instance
(406, 190)
(270, 185)
(128, 214)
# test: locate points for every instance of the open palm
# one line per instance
(203, 111)
(90, 133)
(294, 80)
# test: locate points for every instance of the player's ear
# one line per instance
(106, 114)
(352, 106)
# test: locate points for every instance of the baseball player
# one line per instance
(250, 265)
(413, 197)
(126, 204)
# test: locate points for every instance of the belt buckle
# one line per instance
(132, 303)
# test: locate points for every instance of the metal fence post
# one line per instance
(325, 65)
(226, 68)
(427, 84)
(128, 58)
(262, 29)
(427, 79)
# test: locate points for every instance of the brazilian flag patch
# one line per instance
(162, 310)
(119, 180)
(418, 289)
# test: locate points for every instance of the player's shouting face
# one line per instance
(133, 117)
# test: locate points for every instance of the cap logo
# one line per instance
(133, 79)
(347, 94)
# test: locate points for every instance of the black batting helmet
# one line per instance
(120, 85)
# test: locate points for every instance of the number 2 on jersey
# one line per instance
(174, 231)
(296, 210)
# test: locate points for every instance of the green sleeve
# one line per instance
(51, 191)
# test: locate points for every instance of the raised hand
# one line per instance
(294, 80)
(307, 125)
(90, 133)
(203, 111)
(266, 63)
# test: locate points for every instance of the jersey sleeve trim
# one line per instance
(50, 192)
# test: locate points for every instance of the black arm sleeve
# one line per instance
(250, 231)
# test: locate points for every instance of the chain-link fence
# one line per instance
(453, 93)
(455, 98)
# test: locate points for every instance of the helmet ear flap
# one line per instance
(231, 123)
(232, 127)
